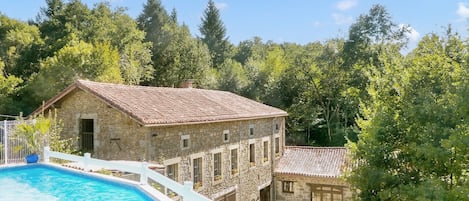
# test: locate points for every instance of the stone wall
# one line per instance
(118, 137)
(302, 186)
(207, 139)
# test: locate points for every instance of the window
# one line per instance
(234, 161)
(217, 167)
(185, 141)
(287, 186)
(277, 146)
(327, 193)
(197, 169)
(251, 130)
(277, 127)
(266, 151)
(252, 154)
(226, 136)
(86, 135)
(172, 171)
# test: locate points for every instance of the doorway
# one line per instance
(265, 194)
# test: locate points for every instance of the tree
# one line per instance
(232, 77)
(19, 44)
(214, 36)
(152, 21)
(121, 31)
(370, 36)
(77, 60)
(183, 58)
(410, 146)
(9, 86)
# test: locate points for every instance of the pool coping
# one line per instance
(144, 188)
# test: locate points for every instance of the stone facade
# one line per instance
(118, 137)
(305, 188)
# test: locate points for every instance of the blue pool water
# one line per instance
(47, 183)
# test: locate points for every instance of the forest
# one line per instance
(404, 117)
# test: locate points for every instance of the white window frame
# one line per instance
(183, 138)
(202, 165)
(277, 154)
(288, 187)
(220, 168)
(264, 140)
(252, 163)
(251, 128)
(227, 134)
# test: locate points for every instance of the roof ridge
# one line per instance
(164, 106)
(311, 147)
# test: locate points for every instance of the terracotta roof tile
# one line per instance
(312, 161)
(153, 106)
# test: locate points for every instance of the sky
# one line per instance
(298, 21)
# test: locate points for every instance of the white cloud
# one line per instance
(346, 4)
(221, 5)
(463, 10)
(341, 19)
(317, 24)
(413, 34)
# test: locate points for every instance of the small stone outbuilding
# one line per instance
(312, 174)
(226, 144)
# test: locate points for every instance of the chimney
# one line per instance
(187, 84)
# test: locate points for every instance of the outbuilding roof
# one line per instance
(157, 106)
(313, 161)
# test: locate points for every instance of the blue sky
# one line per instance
(299, 21)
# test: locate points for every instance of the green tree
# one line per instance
(121, 31)
(232, 77)
(410, 146)
(184, 58)
(213, 33)
(152, 21)
(77, 60)
(370, 36)
(9, 86)
(19, 43)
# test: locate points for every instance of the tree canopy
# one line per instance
(213, 34)
(403, 116)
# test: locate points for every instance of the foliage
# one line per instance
(232, 77)
(56, 140)
(34, 135)
(410, 146)
(184, 58)
(77, 60)
(43, 131)
(213, 33)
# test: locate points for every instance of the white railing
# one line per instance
(185, 191)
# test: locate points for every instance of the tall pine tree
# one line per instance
(213, 33)
(152, 20)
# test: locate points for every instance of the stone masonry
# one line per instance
(118, 137)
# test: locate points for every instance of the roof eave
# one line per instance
(307, 175)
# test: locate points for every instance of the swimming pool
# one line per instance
(43, 182)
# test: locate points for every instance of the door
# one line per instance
(86, 135)
(265, 194)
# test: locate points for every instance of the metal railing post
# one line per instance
(5, 140)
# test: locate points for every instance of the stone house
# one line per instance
(312, 174)
(226, 144)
